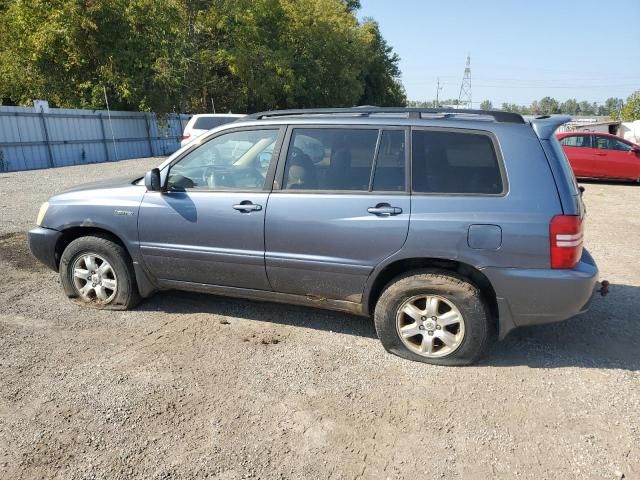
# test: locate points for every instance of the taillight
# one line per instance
(186, 136)
(565, 234)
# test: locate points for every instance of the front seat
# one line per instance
(300, 173)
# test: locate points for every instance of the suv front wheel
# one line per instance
(96, 271)
(433, 317)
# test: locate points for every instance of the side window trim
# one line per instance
(589, 141)
(374, 163)
(278, 181)
(496, 148)
(271, 171)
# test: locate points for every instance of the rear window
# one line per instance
(207, 123)
(455, 162)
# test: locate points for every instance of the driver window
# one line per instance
(608, 143)
(231, 161)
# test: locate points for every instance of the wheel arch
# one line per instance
(72, 233)
(146, 286)
(405, 265)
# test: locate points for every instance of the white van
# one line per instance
(198, 124)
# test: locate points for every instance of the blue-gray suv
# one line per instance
(449, 227)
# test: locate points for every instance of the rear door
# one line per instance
(580, 153)
(339, 207)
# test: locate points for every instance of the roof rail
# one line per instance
(504, 117)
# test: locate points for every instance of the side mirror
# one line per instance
(152, 180)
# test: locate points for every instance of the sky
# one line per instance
(520, 50)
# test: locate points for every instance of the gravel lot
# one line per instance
(191, 386)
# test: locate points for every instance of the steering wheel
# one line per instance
(227, 177)
(252, 173)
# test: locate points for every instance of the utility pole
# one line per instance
(438, 88)
(465, 88)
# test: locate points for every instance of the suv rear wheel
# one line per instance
(97, 272)
(433, 317)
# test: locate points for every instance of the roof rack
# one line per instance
(504, 117)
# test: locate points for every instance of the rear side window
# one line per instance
(454, 162)
(345, 159)
(580, 141)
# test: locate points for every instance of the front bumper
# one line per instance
(42, 243)
(536, 296)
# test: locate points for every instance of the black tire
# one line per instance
(126, 295)
(478, 324)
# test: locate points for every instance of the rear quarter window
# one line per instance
(455, 163)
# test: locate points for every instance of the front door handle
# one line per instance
(384, 210)
(247, 206)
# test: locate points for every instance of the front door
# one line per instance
(341, 207)
(616, 159)
(208, 227)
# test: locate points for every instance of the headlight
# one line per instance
(42, 213)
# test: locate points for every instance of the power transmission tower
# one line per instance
(438, 88)
(464, 99)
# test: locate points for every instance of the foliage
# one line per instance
(66, 51)
(450, 102)
(194, 55)
(631, 109)
(381, 75)
(548, 106)
(486, 105)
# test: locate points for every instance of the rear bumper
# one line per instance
(536, 296)
(42, 243)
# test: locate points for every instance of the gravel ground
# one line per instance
(191, 386)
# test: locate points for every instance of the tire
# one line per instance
(115, 286)
(463, 343)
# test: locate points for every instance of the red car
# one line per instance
(601, 155)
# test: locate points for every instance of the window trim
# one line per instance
(282, 160)
(268, 181)
(496, 148)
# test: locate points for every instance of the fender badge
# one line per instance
(127, 213)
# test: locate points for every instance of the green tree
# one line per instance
(67, 51)
(631, 109)
(194, 55)
(569, 107)
(613, 107)
(486, 105)
(548, 106)
(381, 74)
(586, 108)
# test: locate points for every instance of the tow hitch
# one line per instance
(604, 288)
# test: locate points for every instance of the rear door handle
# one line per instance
(247, 206)
(601, 154)
(384, 210)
